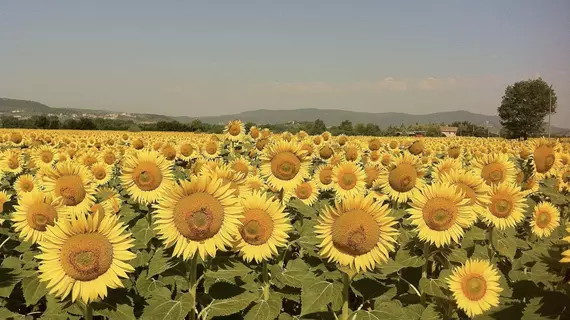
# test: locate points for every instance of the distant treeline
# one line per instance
(317, 127)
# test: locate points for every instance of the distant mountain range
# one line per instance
(25, 108)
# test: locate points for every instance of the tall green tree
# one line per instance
(524, 107)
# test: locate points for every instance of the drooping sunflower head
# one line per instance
(417, 147)
(545, 157)
(545, 219)
(85, 256)
(73, 183)
(145, 175)
(358, 233)
(475, 286)
(199, 216)
(263, 228)
(284, 165)
(496, 168)
(506, 206)
(34, 212)
(441, 214)
(401, 177)
(454, 152)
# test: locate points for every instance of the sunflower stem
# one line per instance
(193, 285)
(490, 248)
(88, 312)
(346, 285)
(265, 277)
(425, 271)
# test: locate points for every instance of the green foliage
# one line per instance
(524, 106)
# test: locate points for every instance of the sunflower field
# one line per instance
(252, 224)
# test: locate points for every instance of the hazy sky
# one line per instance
(196, 59)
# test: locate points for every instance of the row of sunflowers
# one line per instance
(260, 225)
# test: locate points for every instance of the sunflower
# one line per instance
(326, 152)
(255, 183)
(74, 183)
(472, 186)
(109, 157)
(372, 172)
(145, 175)
(352, 153)
(4, 197)
(349, 180)
(242, 166)
(357, 233)
(89, 158)
(284, 165)
(211, 149)
(110, 198)
(444, 166)
(254, 132)
(263, 228)
(440, 214)
(374, 144)
(417, 147)
(307, 192)
(201, 215)
(235, 179)
(545, 158)
(85, 256)
(401, 177)
(187, 151)
(475, 286)
(44, 156)
(102, 173)
(545, 219)
(25, 183)
(34, 212)
(454, 152)
(12, 161)
(169, 151)
(323, 177)
(506, 208)
(496, 168)
(234, 131)
(386, 159)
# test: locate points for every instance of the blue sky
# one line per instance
(199, 58)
